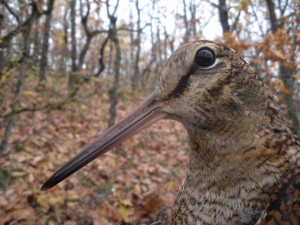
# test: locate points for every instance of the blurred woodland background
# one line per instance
(69, 69)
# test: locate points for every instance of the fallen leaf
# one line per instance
(24, 214)
(124, 213)
(171, 186)
(3, 202)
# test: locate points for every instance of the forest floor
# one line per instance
(132, 184)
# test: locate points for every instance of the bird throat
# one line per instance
(225, 183)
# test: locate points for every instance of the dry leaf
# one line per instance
(24, 214)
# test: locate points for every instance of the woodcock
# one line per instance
(245, 162)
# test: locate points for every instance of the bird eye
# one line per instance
(205, 57)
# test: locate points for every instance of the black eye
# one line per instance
(205, 57)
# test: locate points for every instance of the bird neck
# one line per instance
(224, 167)
(222, 158)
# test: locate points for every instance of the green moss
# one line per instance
(163, 163)
(5, 177)
(86, 182)
(120, 151)
(106, 188)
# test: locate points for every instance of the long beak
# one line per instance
(147, 113)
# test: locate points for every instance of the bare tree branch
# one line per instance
(101, 56)
(236, 20)
(21, 27)
(48, 106)
(256, 18)
(18, 92)
(10, 10)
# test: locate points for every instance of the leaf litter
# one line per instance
(132, 184)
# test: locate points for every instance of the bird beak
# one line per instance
(147, 113)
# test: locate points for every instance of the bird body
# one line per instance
(244, 161)
(241, 145)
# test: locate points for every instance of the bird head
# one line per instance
(199, 80)
(204, 85)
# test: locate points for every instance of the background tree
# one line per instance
(45, 46)
(287, 43)
(137, 43)
(113, 37)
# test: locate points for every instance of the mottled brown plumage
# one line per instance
(284, 204)
(244, 162)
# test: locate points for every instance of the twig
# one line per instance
(48, 106)
(10, 10)
(24, 138)
(21, 27)
(10, 119)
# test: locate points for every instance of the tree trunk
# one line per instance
(73, 37)
(285, 73)
(101, 56)
(89, 35)
(146, 71)
(18, 92)
(43, 62)
(110, 57)
(187, 34)
(193, 9)
(137, 42)
(272, 16)
(223, 15)
(158, 50)
(288, 81)
(131, 53)
(1, 49)
(73, 78)
(36, 41)
(64, 50)
(113, 92)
